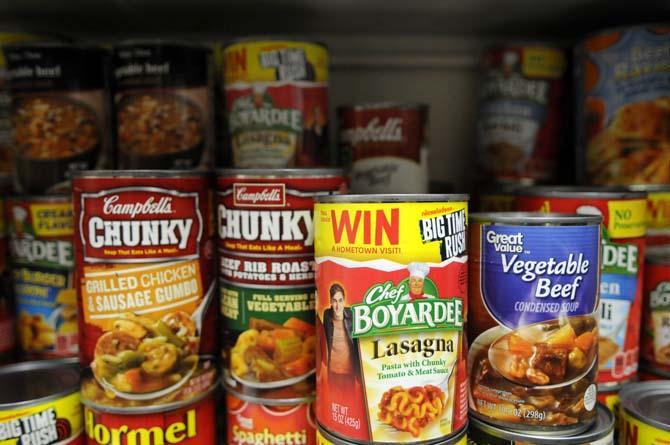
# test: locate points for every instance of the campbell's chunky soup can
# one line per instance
(622, 280)
(144, 256)
(645, 414)
(521, 112)
(391, 306)
(39, 404)
(41, 251)
(622, 86)
(655, 344)
(163, 104)
(385, 146)
(533, 321)
(276, 96)
(7, 316)
(59, 113)
(658, 212)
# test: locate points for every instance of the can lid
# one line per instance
(536, 218)
(400, 198)
(274, 38)
(279, 172)
(650, 188)
(383, 105)
(139, 173)
(57, 197)
(28, 383)
(658, 254)
(301, 392)
(594, 192)
(648, 402)
(602, 427)
(452, 440)
(49, 44)
(160, 42)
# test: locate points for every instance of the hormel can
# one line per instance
(655, 343)
(144, 255)
(391, 306)
(385, 147)
(621, 286)
(658, 212)
(533, 320)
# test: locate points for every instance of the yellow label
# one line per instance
(543, 62)
(634, 432)
(658, 215)
(271, 61)
(428, 232)
(497, 203)
(627, 219)
(51, 422)
(52, 219)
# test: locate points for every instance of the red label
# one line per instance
(655, 342)
(289, 270)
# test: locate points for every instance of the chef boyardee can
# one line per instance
(144, 257)
(601, 433)
(39, 404)
(323, 437)
(533, 324)
(164, 105)
(658, 212)
(391, 305)
(41, 251)
(276, 94)
(621, 286)
(59, 113)
(655, 342)
(645, 414)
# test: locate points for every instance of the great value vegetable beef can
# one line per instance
(323, 437)
(391, 305)
(385, 147)
(621, 285)
(655, 344)
(645, 418)
(533, 324)
(60, 113)
(164, 105)
(144, 255)
(40, 231)
(39, 404)
(522, 106)
(7, 316)
(622, 88)
(276, 94)
(658, 212)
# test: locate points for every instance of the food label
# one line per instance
(636, 432)
(55, 422)
(290, 270)
(656, 316)
(391, 306)
(251, 424)
(658, 218)
(277, 103)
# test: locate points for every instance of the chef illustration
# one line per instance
(417, 276)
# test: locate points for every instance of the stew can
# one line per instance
(601, 433)
(40, 232)
(39, 403)
(276, 94)
(190, 418)
(391, 306)
(267, 418)
(622, 283)
(60, 113)
(164, 105)
(533, 324)
(7, 315)
(655, 343)
(323, 437)
(144, 258)
(385, 146)
(521, 112)
(645, 409)
(658, 213)
(621, 106)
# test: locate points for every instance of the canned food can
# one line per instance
(385, 147)
(533, 325)
(164, 105)
(41, 251)
(622, 283)
(276, 94)
(323, 437)
(644, 413)
(521, 112)
(269, 417)
(658, 213)
(610, 399)
(39, 403)
(500, 197)
(7, 315)
(59, 113)
(601, 433)
(621, 96)
(655, 343)
(144, 258)
(648, 373)
(391, 305)
(185, 420)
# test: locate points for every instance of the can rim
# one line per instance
(279, 172)
(49, 44)
(381, 105)
(535, 218)
(273, 38)
(658, 254)
(650, 188)
(569, 191)
(57, 197)
(450, 440)
(280, 287)
(126, 43)
(528, 43)
(634, 403)
(265, 401)
(59, 365)
(79, 174)
(399, 198)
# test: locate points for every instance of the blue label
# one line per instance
(539, 273)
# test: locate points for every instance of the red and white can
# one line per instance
(655, 342)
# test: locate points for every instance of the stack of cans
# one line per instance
(266, 281)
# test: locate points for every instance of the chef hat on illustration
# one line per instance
(418, 270)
